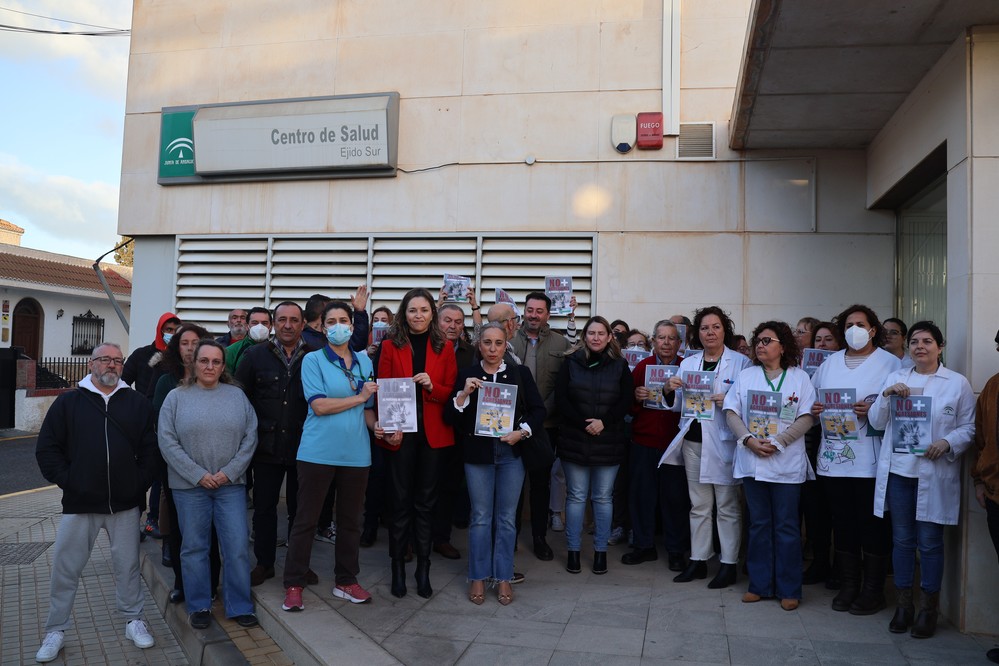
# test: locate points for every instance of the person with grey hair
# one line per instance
(98, 444)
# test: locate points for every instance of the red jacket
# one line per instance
(651, 427)
(395, 363)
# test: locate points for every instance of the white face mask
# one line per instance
(259, 332)
(857, 338)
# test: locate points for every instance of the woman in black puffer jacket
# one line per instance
(593, 393)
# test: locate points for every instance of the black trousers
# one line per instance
(413, 471)
(665, 486)
(452, 495)
(539, 488)
(375, 497)
(855, 527)
(992, 513)
(266, 495)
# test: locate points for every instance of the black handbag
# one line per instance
(536, 451)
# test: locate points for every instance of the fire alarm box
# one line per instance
(650, 131)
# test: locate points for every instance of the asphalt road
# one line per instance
(18, 469)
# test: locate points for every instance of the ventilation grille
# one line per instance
(216, 275)
(696, 141)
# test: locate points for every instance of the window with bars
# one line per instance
(217, 274)
(88, 331)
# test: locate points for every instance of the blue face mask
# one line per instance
(338, 334)
(167, 337)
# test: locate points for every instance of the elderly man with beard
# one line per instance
(98, 444)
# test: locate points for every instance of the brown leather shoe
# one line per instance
(789, 604)
(445, 549)
(750, 598)
(259, 574)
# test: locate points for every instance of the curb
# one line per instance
(209, 647)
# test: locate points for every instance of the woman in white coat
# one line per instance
(922, 490)
(847, 462)
(768, 409)
(706, 449)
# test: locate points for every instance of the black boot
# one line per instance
(726, 576)
(926, 622)
(849, 581)
(872, 593)
(817, 571)
(599, 562)
(695, 569)
(904, 611)
(398, 578)
(422, 576)
(572, 564)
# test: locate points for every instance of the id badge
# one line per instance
(789, 409)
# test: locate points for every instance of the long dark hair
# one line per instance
(399, 333)
(694, 336)
(791, 355)
(172, 362)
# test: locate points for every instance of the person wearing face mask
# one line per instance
(847, 468)
(270, 375)
(620, 328)
(237, 328)
(706, 450)
(259, 322)
(815, 510)
(340, 388)
(922, 492)
(416, 348)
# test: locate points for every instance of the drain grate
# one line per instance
(21, 553)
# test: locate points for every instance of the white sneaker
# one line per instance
(50, 646)
(328, 535)
(138, 633)
(557, 524)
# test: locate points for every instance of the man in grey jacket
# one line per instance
(542, 350)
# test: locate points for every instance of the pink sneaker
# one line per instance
(353, 593)
(293, 599)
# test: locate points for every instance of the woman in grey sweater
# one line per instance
(207, 435)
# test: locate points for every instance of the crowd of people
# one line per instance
(288, 399)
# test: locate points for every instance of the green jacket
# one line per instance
(551, 349)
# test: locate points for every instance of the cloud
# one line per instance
(97, 65)
(58, 213)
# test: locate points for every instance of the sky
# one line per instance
(62, 110)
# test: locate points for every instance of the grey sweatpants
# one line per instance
(74, 542)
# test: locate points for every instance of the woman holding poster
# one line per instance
(490, 425)
(768, 409)
(928, 415)
(416, 349)
(706, 449)
(846, 385)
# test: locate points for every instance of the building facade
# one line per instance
(800, 172)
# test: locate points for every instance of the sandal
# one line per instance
(477, 592)
(504, 593)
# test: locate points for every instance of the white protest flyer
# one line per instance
(656, 377)
(456, 288)
(378, 332)
(762, 412)
(495, 411)
(911, 424)
(559, 289)
(397, 405)
(503, 296)
(698, 385)
(811, 359)
(681, 330)
(634, 356)
(839, 422)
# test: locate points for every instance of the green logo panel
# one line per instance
(177, 144)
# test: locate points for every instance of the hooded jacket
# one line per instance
(101, 450)
(142, 369)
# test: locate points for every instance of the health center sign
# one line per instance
(353, 136)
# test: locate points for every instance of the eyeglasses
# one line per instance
(766, 341)
(506, 319)
(671, 338)
(210, 362)
(892, 334)
(800, 331)
(109, 360)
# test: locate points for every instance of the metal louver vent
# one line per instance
(696, 141)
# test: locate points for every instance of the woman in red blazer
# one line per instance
(416, 347)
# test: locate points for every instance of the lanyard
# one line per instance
(356, 386)
(779, 384)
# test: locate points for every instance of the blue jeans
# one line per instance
(197, 510)
(494, 491)
(908, 534)
(597, 483)
(774, 553)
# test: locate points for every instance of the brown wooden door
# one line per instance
(27, 325)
